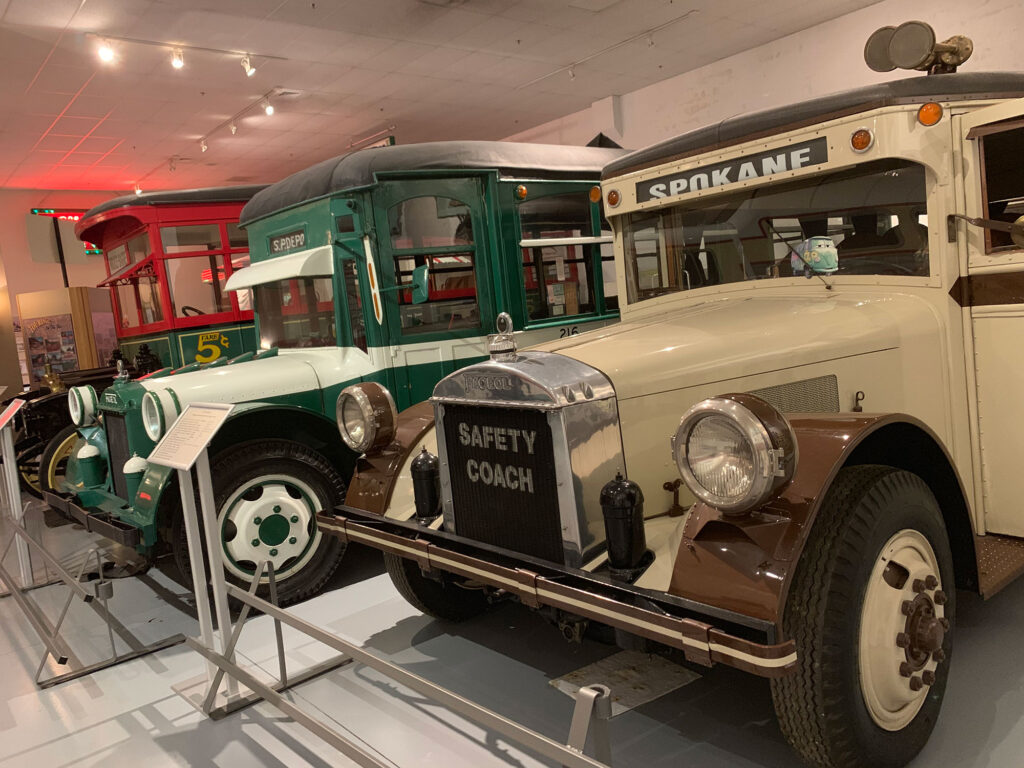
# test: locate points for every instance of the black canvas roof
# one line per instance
(953, 87)
(360, 168)
(177, 197)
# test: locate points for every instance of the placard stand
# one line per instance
(184, 447)
(102, 590)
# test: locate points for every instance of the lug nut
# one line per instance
(916, 684)
(292, 540)
(940, 597)
(939, 655)
(905, 670)
(945, 624)
(277, 508)
(273, 553)
(907, 608)
(931, 582)
(902, 640)
(928, 677)
(257, 520)
(295, 518)
(918, 586)
(255, 542)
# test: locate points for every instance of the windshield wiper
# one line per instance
(828, 285)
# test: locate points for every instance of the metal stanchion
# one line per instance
(12, 488)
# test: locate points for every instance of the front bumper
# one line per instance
(735, 640)
(96, 521)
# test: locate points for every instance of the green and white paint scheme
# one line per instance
(489, 227)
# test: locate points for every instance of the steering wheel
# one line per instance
(188, 310)
(851, 266)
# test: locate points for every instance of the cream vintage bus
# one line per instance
(812, 399)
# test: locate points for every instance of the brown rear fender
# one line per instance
(746, 564)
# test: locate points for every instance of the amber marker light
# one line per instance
(614, 198)
(929, 114)
(595, 194)
(861, 140)
(521, 192)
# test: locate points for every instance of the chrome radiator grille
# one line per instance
(502, 474)
(117, 448)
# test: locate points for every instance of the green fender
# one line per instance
(248, 421)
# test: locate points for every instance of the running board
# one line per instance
(1000, 561)
(536, 584)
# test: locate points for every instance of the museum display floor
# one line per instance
(128, 714)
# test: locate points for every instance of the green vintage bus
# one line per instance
(388, 265)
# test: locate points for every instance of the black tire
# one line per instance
(54, 458)
(443, 599)
(238, 465)
(821, 707)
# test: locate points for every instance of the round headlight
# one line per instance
(82, 405)
(159, 410)
(366, 416)
(734, 452)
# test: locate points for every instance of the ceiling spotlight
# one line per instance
(572, 73)
(268, 107)
(247, 67)
(233, 128)
(106, 51)
(138, 190)
(202, 145)
(177, 59)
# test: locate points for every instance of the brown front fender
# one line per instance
(746, 563)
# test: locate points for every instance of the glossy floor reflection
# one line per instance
(128, 715)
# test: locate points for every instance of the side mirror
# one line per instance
(420, 286)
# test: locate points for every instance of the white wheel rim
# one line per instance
(888, 689)
(258, 525)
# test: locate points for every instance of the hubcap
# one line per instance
(902, 630)
(271, 517)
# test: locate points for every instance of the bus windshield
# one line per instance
(298, 312)
(867, 220)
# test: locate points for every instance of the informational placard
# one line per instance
(190, 435)
(12, 408)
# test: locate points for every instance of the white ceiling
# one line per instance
(434, 69)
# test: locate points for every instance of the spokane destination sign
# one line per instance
(778, 160)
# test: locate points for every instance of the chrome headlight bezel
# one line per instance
(767, 433)
(82, 405)
(159, 409)
(378, 412)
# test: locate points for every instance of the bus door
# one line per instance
(440, 223)
(992, 294)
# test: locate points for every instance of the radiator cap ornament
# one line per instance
(502, 345)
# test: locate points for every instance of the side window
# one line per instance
(244, 296)
(355, 304)
(197, 285)
(1002, 183)
(558, 279)
(437, 231)
(611, 287)
(138, 300)
(196, 237)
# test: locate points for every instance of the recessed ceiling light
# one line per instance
(247, 66)
(177, 59)
(105, 51)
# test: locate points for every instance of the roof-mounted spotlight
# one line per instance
(912, 45)
(247, 66)
(177, 58)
